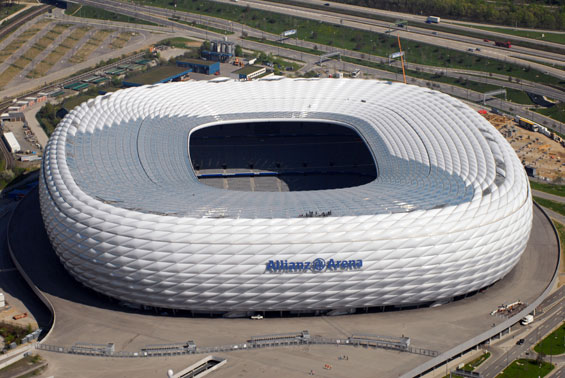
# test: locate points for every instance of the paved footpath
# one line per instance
(548, 196)
(34, 125)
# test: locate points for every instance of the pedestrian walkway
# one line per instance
(548, 196)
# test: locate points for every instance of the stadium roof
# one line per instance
(130, 150)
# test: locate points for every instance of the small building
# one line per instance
(41, 97)
(13, 116)
(12, 142)
(200, 66)
(30, 100)
(530, 171)
(161, 74)
(20, 105)
(250, 72)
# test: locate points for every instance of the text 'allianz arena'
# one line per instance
(286, 194)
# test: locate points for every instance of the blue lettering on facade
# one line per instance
(316, 266)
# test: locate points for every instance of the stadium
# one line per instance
(283, 195)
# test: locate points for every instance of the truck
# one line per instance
(527, 124)
(527, 320)
(506, 44)
(433, 20)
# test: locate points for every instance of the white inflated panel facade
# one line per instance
(450, 211)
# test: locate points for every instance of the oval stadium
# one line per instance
(300, 195)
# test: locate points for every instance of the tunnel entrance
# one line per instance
(280, 156)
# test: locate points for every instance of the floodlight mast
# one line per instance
(401, 59)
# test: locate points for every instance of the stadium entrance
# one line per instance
(280, 156)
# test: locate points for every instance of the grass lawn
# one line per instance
(178, 42)
(8, 10)
(556, 112)
(200, 26)
(561, 231)
(44, 42)
(10, 73)
(558, 207)
(87, 11)
(88, 48)
(549, 37)
(558, 190)
(517, 96)
(290, 47)
(354, 39)
(476, 362)
(523, 368)
(51, 35)
(463, 83)
(554, 343)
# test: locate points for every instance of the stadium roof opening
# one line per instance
(280, 156)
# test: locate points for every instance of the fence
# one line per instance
(272, 343)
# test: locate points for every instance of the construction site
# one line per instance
(542, 155)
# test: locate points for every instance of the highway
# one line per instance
(421, 19)
(165, 14)
(453, 41)
(162, 15)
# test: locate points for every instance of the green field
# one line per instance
(561, 231)
(355, 39)
(476, 362)
(291, 47)
(204, 27)
(517, 96)
(554, 343)
(558, 190)
(558, 207)
(556, 112)
(179, 42)
(523, 368)
(87, 11)
(471, 85)
(8, 10)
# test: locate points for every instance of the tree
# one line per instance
(205, 46)
(238, 50)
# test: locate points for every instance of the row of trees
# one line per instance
(533, 14)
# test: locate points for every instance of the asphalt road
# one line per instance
(543, 324)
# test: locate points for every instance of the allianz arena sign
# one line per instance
(319, 265)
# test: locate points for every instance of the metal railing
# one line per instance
(101, 351)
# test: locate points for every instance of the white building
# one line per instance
(12, 142)
(447, 212)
